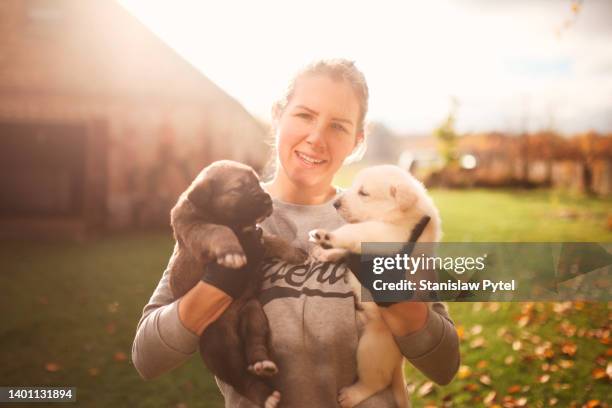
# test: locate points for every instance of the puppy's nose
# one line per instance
(266, 199)
(337, 204)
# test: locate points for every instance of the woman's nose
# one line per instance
(315, 138)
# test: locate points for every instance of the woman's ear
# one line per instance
(359, 139)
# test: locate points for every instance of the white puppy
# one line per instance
(383, 205)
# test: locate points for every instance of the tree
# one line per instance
(447, 136)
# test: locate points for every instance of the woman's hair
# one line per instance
(338, 69)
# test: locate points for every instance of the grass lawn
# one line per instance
(70, 311)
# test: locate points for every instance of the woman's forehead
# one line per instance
(324, 95)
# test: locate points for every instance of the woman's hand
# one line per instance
(404, 318)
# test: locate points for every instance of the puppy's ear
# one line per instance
(404, 196)
(200, 192)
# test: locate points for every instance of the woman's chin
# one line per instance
(308, 178)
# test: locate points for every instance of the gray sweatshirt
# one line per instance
(313, 324)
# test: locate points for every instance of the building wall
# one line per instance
(153, 121)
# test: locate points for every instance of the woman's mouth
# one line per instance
(309, 161)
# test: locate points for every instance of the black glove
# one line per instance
(235, 281)
(363, 269)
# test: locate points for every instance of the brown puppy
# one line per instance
(214, 223)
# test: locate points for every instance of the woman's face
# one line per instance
(317, 130)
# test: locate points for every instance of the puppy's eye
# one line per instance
(362, 192)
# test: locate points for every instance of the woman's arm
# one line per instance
(426, 336)
(168, 331)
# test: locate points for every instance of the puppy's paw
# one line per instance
(321, 237)
(327, 255)
(350, 396)
(265, 368)
(273, 400)
(233, 260)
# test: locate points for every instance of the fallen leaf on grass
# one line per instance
(502, 331)
(52, 367)
(535, 339)
(508, 402)
(524, 320)
(426, 388)
(489, 398)
(565, 364)
(119, 356)
(477, 343)
(460, 332)
(567, 329)
(482, 364)
(485, 379)
(111, 328)
(93, 371)
(593, 404)
(112, 307)
(569, 348)
(553, 401)
(517, 345)
(509, 360)
(598, 373)
(514, 389)
(476, 329)
(521, 402)
(464, 372)
(471, 387)
(543, 379)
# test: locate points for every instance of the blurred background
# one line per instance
(109, 109)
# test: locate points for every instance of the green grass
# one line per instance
(58, 300)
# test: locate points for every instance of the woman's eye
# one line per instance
(303, 115)
(362, 193)
(339, 127)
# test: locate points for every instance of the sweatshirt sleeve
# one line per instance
(162, 342)
(434, 349)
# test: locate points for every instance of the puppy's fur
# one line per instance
(384, 204)
(215, 220)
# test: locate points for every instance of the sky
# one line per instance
(510, 64)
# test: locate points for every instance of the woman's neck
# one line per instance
(289, 192)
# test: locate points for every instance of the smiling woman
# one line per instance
(319, 125)
(310, 308)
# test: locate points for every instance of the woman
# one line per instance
(318, 125)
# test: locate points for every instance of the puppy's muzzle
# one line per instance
(264, 202)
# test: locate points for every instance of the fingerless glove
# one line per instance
(363, 269)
